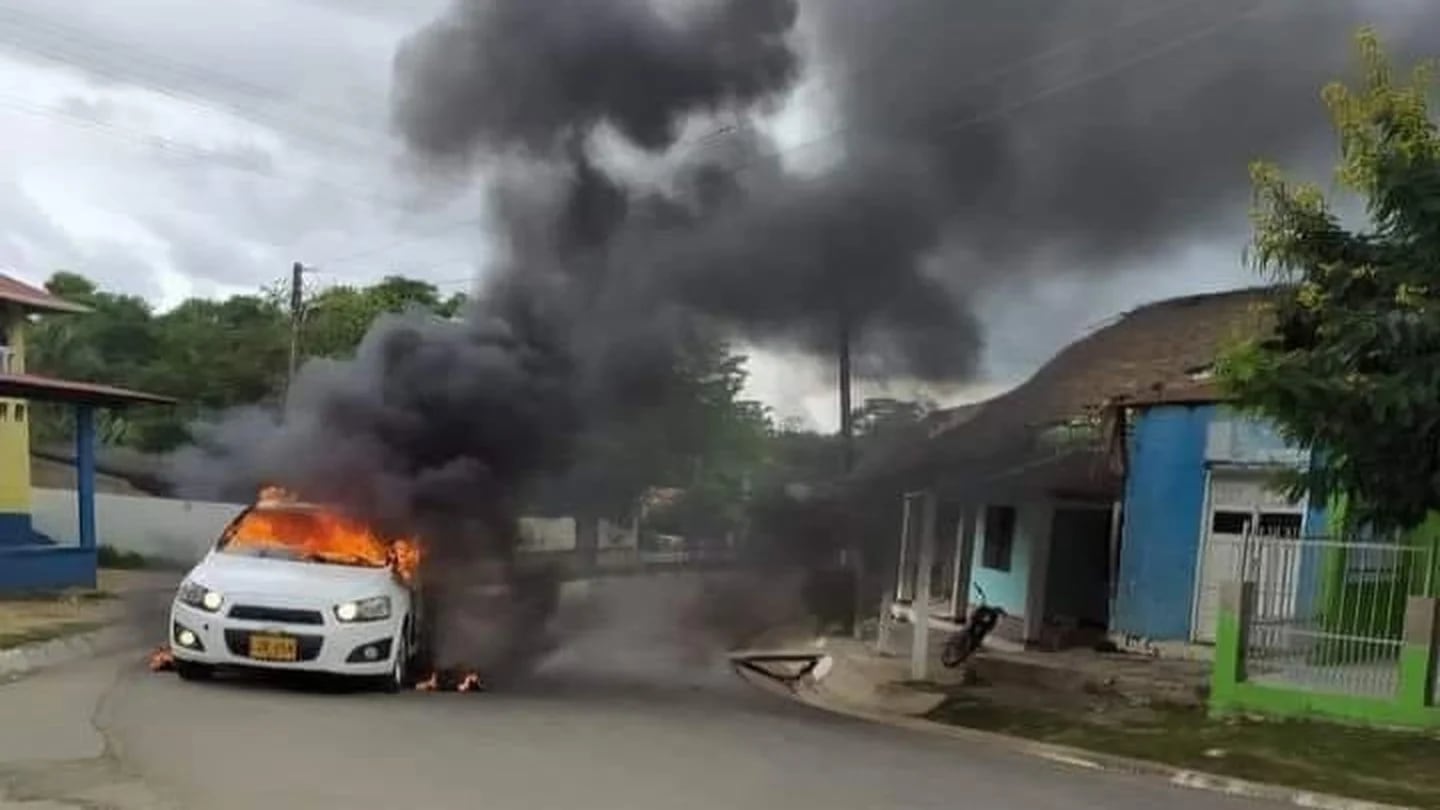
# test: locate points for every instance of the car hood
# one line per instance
(285, 582)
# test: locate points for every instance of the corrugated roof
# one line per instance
(34, 298)
(49, 389)
(1143, 354)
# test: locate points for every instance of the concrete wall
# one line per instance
(547, 534)
(15, 524)
(1011, 589)
(159, 527)
(1164, 498)
(183, 530)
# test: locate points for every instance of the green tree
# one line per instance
(338, 317)
(114, 343)
(1351, 367)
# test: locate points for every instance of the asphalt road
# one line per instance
(624, 718)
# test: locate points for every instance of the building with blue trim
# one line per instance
(1199, 479)
(29, 560)
(1077, 500)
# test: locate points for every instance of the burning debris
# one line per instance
(161, 660)
(452, 681)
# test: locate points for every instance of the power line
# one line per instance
(164, 144)
(993, 114)
(1005, 110)
(118, 60)
(830, 84)
(386, 247)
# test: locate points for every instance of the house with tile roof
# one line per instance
(1074, 501)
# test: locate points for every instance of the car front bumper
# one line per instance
(333, 647)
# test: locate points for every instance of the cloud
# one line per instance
(224, 160)
(153, 142)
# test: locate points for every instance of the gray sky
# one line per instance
(171, 148)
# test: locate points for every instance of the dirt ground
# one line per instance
(36, 617)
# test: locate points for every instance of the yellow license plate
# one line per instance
(274, 648)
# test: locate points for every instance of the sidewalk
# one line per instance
(45, 629)
(1098, 710)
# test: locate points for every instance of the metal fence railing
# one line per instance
(1328, 613)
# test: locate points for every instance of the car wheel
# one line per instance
(191, 671)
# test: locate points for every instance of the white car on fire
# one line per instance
(293, 586)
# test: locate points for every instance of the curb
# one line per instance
(807, 694)
(18, 662)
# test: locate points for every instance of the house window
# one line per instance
(1280, 524)
(999, 537)
(19, 413)
(1228, 522)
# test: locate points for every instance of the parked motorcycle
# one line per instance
(965, 641)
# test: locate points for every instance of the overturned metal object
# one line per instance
(788, 668)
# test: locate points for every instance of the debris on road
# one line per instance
(454, 681)
(161, 660)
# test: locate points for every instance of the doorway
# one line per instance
(1242, 506)
(1077, 582)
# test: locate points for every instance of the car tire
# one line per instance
(191, 671)
(399, 675)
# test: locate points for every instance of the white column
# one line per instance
(903, 588)
(920, 605)
(1034, 524)
(964, 560)
(890, 595)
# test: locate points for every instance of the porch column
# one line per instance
(920, 605)
(893, 592)
(85, 473)
(904, 586)
(964, 561)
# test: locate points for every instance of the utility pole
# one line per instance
(847, 416)
(297, 315)
(847, 439)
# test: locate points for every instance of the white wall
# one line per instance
(183, 530)
(547, 534)
(160, 527)
(615, 535)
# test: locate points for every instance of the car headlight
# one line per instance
(364, 610)
(198, 596)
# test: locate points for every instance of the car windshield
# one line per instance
(305, 535)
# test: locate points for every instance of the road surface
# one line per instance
(622, 719)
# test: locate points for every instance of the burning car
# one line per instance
(295, 586)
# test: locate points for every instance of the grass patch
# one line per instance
(1384, 766)
(73, 596)
(121, 560)
(111, 557)
(49, 632)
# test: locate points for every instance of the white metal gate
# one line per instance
(1239, 505)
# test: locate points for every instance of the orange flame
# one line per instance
(161, 660)
(468, 682)
(280, 520)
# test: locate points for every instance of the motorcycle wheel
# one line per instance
(956, 650)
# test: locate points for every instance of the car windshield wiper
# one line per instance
(340, 559)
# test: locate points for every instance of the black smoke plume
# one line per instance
(953, 147)
(639, 197)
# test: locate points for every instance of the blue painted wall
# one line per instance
(1164, 498)
(39, 568)
(1010, 589)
